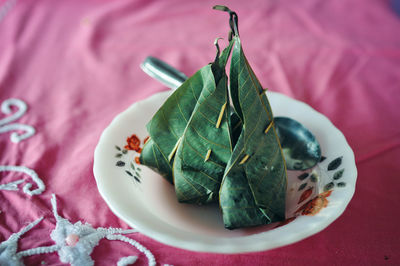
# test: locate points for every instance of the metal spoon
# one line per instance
(300, 147)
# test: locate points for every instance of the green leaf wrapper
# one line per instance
(254, 185)
(168, 124)
(185, 128)
(153, 157)
(206, 145)
(208, 150)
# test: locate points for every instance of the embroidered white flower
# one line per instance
(74, 243)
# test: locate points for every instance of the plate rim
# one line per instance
(223, 246)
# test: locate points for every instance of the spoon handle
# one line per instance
(161, 71)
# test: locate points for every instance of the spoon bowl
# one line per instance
(300, 147)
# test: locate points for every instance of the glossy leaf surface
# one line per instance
(254, 184)
(206, 144)
(170, 121)
(184, 128)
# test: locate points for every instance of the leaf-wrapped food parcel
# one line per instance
(253, 188)
(153, 157)
(169, 122)
(205, 146)
(190, 134)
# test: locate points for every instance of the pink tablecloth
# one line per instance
(75, 64)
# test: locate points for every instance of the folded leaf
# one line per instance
(152, 156)
(170, 121)
(202, 147)
(253, 188)
(236, 125)
(206, 145)
(168, 124)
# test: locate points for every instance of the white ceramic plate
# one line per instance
(147, 202)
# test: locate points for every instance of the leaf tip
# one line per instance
(221, 8)
(233, 20)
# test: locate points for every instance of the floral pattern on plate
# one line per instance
(128, 157)
(310, 201)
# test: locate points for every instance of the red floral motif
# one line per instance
(315, 205)
(305, 195)
(146, 139)
(133, 143)
(137, 160)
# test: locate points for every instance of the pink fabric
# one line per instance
(76, 65)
